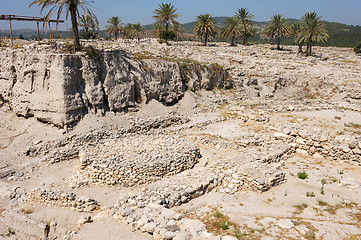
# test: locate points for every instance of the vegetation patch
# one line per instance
(302, 175)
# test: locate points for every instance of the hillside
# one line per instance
(341, 35)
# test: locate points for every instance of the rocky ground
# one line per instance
(275, 157)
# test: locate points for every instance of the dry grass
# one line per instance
(348, 61)
(219, 224)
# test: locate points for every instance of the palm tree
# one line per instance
(277, 28)
(72, 7)
(136, 30)
(294, 31)
(166, 14)
(312, 31)
(86, 22)
(158, 28)
(232, 29)
(178, 30)
(114, 27)
(245, 18)
(205, 27)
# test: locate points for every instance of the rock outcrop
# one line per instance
(61, 88)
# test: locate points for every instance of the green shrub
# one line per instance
(167, 35)
(358, 48)
(302, 175)
(224, 226)
(310, 194)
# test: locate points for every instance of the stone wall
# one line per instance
(322, 146)
(137, 160)
(63, 199)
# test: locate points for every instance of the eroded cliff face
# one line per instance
(62, 88)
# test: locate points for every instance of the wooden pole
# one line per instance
(11, 31)
(49, 30)
(37, 24)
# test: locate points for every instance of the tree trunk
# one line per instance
(87, 32)
(232, 41)
(74, 23)
(278, 43)
(309, 49)
(245, 33)
(300, 48)
(205, 39)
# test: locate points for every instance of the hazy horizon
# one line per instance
(331, 11)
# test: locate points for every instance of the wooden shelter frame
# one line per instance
(29, 19)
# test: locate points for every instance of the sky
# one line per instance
(132, 11)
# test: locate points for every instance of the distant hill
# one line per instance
(341, 35)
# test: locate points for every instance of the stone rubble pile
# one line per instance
(136, 160)
(149, 211)
(63, 199)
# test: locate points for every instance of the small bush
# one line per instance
(302, 175)
(323, 181)
(322, 191)
(92, 52)
(217, 214)
(167, 35)
(224, 226)
(310, 194)
(358, 48)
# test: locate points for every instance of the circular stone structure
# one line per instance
(138, 159)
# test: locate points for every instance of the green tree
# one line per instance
(136, 30)
(166, 14)
(245, 18)
(86, 22)
(232, 29)
(294, 31)
(205, 27)
(312, 31)
(277, 28)
(72, 7)
(114, 27)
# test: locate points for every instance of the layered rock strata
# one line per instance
(61, 88)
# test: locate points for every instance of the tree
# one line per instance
(86, 22)
(136, 30)
(166, 14)
(277, 28)
(357, 49)
(294, 31)
(157, 28)
(232, 29)
(205, 27)
(72, 7)
(312, 31)
(178, 30)
(245, 18)
(114, 27)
